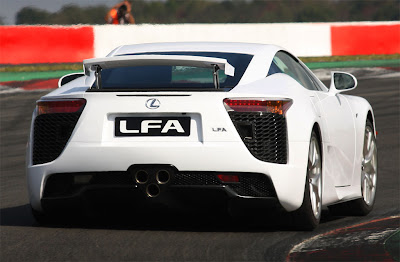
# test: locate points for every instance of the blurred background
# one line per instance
(41, 40)
(69, 12)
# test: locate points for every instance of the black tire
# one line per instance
(357, 207)
(304, 217)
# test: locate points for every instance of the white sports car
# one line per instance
(218, 124)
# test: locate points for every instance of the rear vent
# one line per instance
(264, 134)
(51, 134)
(254, 185)
(196, 179)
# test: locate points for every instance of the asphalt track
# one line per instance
(187, 237)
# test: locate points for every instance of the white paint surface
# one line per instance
(302, 39)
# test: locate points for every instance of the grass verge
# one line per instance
(41, 67)
(26, 76)
(349, 58)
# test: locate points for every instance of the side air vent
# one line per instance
(51, 134)
(267, 139)
(53, 127)
(261, 124)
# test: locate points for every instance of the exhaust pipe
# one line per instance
(152, 180)
(141, 177)
(163, 177)
(152, 190)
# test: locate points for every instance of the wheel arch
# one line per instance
(328, 189)
(370, 117)
(363, 112)
(306, 217)
(317, 129)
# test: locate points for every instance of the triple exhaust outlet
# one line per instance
(152, 182)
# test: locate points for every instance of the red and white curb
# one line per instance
(361, 242)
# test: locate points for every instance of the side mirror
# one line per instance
(68, 78)
(341, 81)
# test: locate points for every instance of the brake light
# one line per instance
(60, 106)
(258, 105)
(228, 178)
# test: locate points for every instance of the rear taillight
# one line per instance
(60, 106)
(258, 105)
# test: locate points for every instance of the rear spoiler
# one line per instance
(146, 60)
(97, 64)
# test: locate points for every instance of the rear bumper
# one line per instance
(173, 190)
(215, 199)
(287, 179)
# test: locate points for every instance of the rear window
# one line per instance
(157, 77)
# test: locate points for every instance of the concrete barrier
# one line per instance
(45, 44)
(365, 38)
(301, 39)
(63, 44)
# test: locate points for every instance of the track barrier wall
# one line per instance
(45, 44)
(66, 44)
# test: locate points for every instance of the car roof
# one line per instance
(226, 47)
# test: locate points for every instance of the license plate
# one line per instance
(152, 126)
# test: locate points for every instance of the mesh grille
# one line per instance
(195, 179)
(255, 185)
(51, 134)
(268, 141)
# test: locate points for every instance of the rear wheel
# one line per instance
(307, 217)
(369, 172)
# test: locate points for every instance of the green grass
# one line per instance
(26, 76)
(41, 67)
(348, 58)
(355, 63)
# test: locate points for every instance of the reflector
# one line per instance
(229, 178)
(60, 106)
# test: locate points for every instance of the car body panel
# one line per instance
(341, 129)
(214, 143)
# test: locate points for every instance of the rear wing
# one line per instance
(96, 64)
(146, 60)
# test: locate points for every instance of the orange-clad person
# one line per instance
(120, 14)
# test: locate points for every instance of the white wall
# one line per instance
(302, 39)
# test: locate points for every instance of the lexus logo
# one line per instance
(153, 103)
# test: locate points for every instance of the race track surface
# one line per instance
(183, 236)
